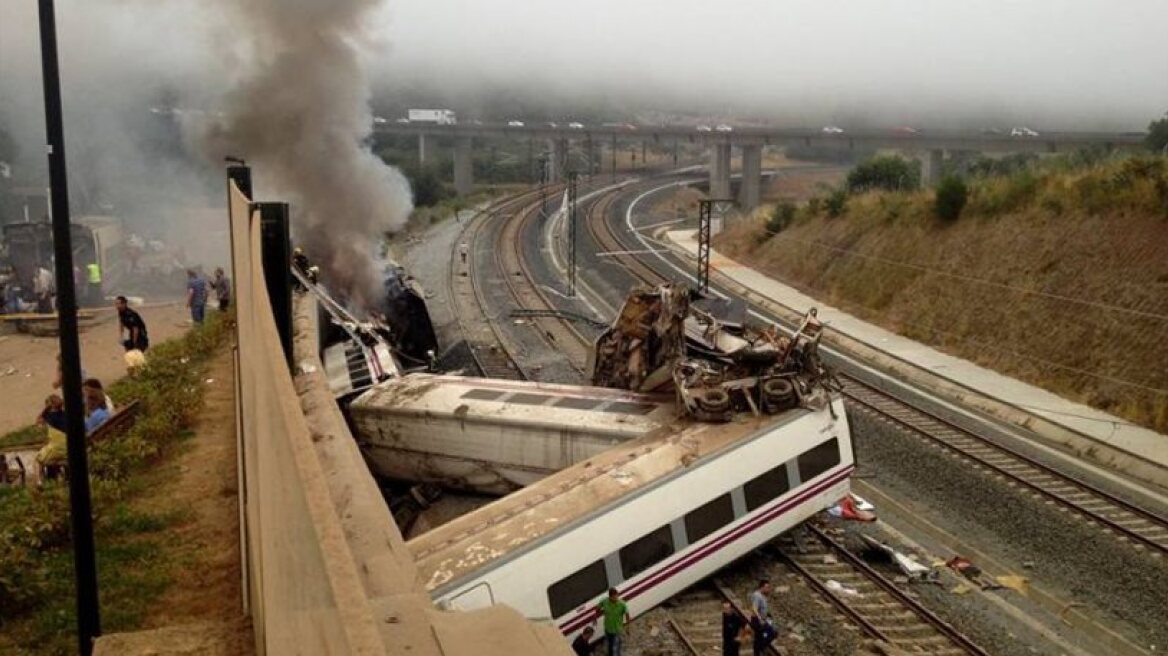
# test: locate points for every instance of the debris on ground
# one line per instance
(907, 564)
(973, 573)
(853, 508)
(836, 586)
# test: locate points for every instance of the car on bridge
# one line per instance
(1023, 132)
(576, 126)
(904, 129)
(514, 124)
(402, 120)
(380, 120)
(722, 127)
(831, 129)
(704, 128)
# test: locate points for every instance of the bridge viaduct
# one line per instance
(930, 146)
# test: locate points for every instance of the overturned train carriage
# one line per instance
(650, 517)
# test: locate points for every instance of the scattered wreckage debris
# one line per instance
(972, 573)
(916, 572)
(853, 508)
(718, 363)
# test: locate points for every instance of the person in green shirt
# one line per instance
(616, 614)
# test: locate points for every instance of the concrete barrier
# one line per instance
(327, 571)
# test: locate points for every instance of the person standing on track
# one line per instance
(758, 599)
(616, 614)
(732, 624)
(582, 645)
(463, 250)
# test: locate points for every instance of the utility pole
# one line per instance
(80, 510)
(614, 157)
(572, 234)
(707, 207)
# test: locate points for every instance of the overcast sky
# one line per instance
(1051, 64)
(1087, 63)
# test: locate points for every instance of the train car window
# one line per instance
(626, 408)
(766, 487)
(482, 394)
(706, 519)
(575, 403)
(818, 460)
(646, 552)
(523, 398)
(579, 588)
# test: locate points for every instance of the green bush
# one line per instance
(1157, 139)
(837, 203)
(889, 173)
(952, 193)
(34, 522)
(780, 218)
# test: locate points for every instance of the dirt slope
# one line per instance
(1059, 279)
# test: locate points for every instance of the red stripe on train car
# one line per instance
(589, 615)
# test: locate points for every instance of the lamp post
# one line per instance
(80, 512)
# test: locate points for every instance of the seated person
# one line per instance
(96, 412)
(96, 384)
(52, 455)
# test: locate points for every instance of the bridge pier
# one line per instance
(750, 191)
(931, 167)
(558, 162)
(463, 167)
(421, 147)
(720, 171)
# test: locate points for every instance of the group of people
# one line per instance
(86, 282)
(198, 289)
(758, 629)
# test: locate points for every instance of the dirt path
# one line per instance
(201, 482)
(28, 364)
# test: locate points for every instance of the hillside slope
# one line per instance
(1059, 278)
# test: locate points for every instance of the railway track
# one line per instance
(491, 350)
(696, 617)
(1138, 526)
(523, 284)
(1142, 528)
(883, 612)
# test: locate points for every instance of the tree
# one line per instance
(1157, 138)
(427, 187)
(889, 173)
(951, 196)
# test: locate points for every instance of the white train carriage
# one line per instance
(650, 517)
(494, 436)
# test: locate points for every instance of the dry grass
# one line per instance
(996, 287)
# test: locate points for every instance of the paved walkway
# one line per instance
(1096, 424)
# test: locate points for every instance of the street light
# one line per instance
(80, 512)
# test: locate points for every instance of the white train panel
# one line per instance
(674, 522)
(490, 435)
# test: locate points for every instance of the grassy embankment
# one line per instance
(136, 556)
(1056, 274)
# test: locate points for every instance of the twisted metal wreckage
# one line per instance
(717, 363)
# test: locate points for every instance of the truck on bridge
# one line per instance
(437, 116)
